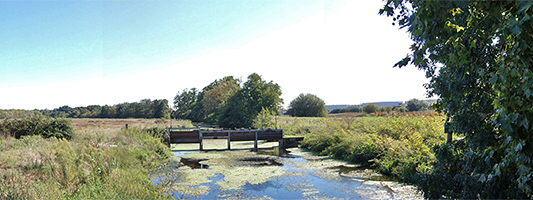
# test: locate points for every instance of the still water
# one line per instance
(270, 174)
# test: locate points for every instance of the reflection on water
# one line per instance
(194, 163)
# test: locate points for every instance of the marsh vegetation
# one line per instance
(104, 161)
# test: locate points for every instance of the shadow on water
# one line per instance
(280, 152)
(194, 163)
(343, 169)
(383, 178)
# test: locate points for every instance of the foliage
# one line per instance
(43, 126)
(370, 108)
(145, 108)
(402, 108)
(91, 165)
(399, 146)
(215, 96)
(478, 57)
(417, 105)
(352, 108)
(244, 106)
(12, 113)
(387, 109)
(265, 119)
(225, 103)
(185, 102)
(307, 105)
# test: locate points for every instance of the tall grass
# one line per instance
(399, 146)
(96, 165)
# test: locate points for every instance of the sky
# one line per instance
(80, 53)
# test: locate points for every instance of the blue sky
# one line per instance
(80, 53)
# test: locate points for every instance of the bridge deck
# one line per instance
(181, 135)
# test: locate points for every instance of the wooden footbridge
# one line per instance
(197, 135)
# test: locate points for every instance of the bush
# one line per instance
(370, 108)
(44, 126)
(307, 105)
(265, 119)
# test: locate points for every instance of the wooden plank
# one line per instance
(184, 136)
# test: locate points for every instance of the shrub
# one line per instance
(370, 108)
(44, 126)
(265, 119)
(308, 105)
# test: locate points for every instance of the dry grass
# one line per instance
(110, 125)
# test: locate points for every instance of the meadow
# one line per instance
(100, 160)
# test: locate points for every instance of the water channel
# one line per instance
(270, 174)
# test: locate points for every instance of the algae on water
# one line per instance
(246, 174)
(227, 163)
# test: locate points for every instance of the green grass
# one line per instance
(91, 165)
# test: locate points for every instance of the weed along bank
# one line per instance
(198, 135)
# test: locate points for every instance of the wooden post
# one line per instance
(229, 140)
(255, 142)
(201, 140)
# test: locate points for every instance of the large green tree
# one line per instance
(243, 107)
(215, 96)
(308, 105)
(184, 103)
(160, 109)
(478, 56)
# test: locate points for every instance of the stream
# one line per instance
(271, 174)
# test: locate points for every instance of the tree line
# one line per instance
(412, 105)
(145, 108)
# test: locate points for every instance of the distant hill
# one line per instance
(379, 104)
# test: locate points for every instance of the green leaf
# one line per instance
(518, 147)
(515, 30)
(524, 123)
(525, 19)
(524, 7)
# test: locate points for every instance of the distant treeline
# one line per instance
(411, 105)
(145, 108)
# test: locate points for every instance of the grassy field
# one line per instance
(102, 160)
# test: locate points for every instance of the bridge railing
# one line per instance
(197, 135)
